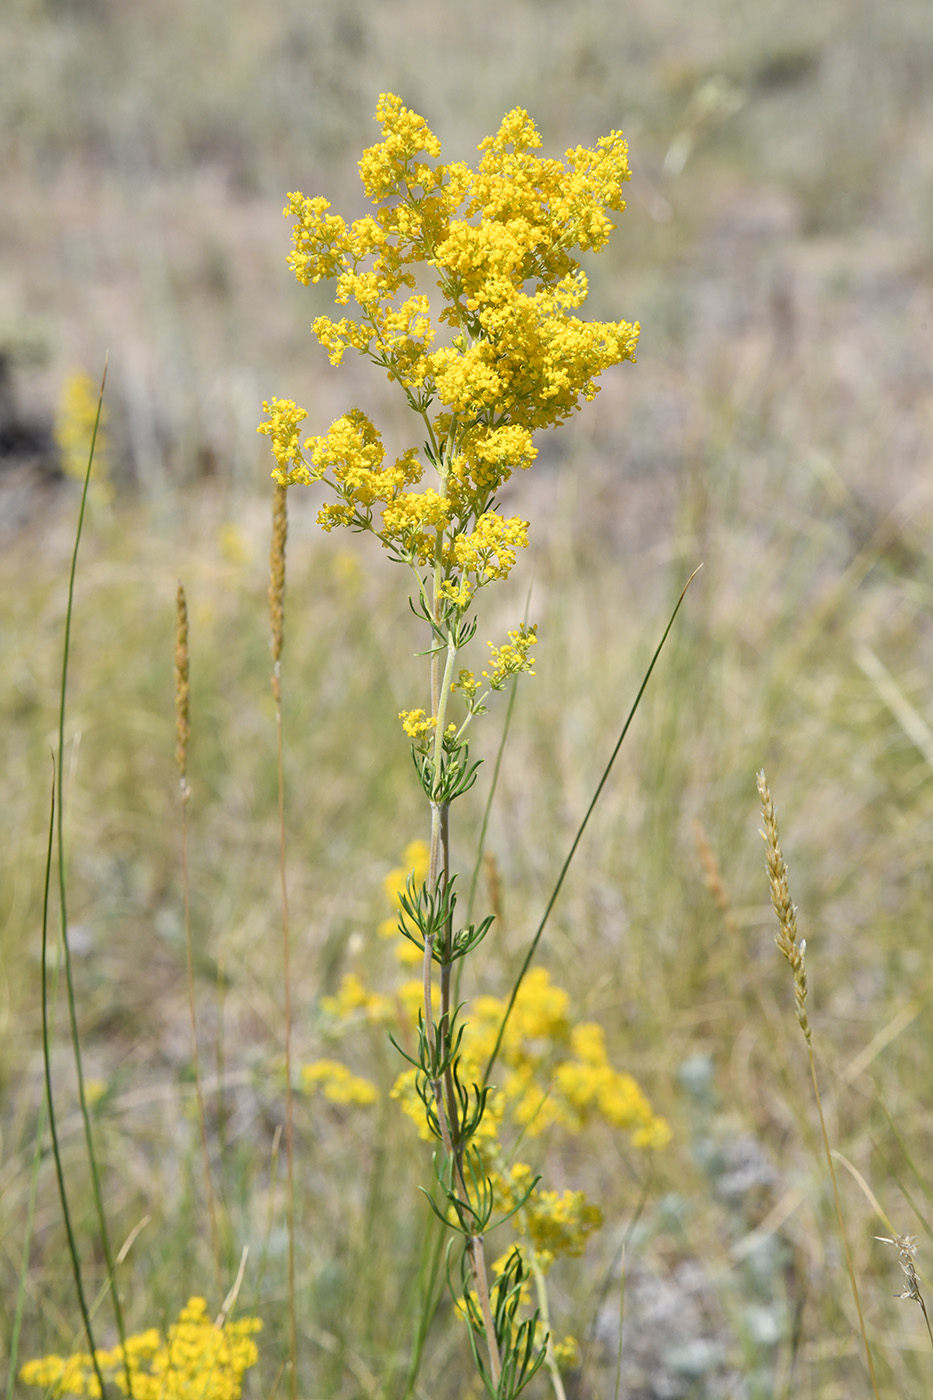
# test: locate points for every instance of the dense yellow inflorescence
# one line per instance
(504, 357)
(195, 1358)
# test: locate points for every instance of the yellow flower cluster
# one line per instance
(352, 997)
(196, 1358)
(337, 1083)
(416, 724)
(513, 658)
(554, 1074)
(505, 357)
(554, 1223)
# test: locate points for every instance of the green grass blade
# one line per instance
(533, 946)
(50, 1098)
(69, 980)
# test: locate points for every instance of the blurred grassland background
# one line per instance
(778, 251)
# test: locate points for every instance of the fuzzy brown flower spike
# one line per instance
(182, 719)
(793, 948)
(277, 579)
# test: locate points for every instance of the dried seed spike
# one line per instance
(712, 877)
(277, 573)
(786, 939)
(182, 719)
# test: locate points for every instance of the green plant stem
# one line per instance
(839, 1217)
(533, 947)
(439, 878)
(69, 978)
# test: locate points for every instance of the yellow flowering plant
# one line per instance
(196, 1357)
(506, 356)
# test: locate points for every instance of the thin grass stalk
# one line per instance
(182, 736)
(533, 946)
(794, 950)
(50, 1101)
(905, 1245)
(69, 978)
(618, 1261)
(260, 1271)
(277, 626)
(618, 1384)
(895, 1175)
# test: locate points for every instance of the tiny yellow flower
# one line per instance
(416, 723)
(94, 1091)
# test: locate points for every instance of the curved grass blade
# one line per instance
(69, 980)
(50, 1099)
(533, 946)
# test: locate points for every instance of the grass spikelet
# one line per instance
(906, 1247)
(182, 716)
(277, 578)
(793, 948)
(712, 877)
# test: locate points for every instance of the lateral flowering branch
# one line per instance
(506, 356)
